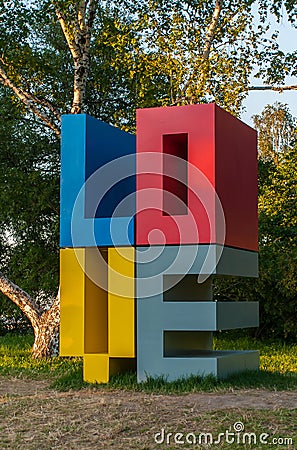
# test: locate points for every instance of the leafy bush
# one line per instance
(276, 288)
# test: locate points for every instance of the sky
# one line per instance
(257, 100)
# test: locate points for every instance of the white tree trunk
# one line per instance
(46, 343)
(78, 37)
(45, 324)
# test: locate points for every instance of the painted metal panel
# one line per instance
(99, 368)
(155, 317)
(73, 148)
(231, 315)
(121, 302)
(96, 368)
(236, 262)
(173, 368)
(197, 121)
(237, 361)
(200, 315)
(221, 180)
(72, 302)
(171, 328)
(106, 144)
(236, 179)
(96, 304)
(87, 208)
(217, 189)
(178, 315)
(219, 364)
(156, 261)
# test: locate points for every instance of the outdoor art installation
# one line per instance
(146, 223)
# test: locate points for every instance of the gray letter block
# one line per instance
(176, 315)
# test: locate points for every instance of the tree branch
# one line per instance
(73, 47)
(273, 88)
(22, 300)
(31, 101)
(210, 31)
(209, 37)
(49, 105)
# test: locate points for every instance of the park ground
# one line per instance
(37, 417)
(40, 409)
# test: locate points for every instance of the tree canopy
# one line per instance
(277, 284)
(108, 58)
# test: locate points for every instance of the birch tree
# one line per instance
(76, 21)
(276, 131)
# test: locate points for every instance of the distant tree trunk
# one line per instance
(45, 323)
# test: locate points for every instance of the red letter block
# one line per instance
(196, 178)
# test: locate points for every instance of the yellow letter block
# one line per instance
(72, 305)
(98, 318)
(121, 302)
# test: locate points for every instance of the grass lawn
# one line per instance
(278, 368)
(255, 410)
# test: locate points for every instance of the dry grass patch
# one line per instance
(91, 419)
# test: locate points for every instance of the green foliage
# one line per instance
(274, 64)
(276, 131)
(276, 288)
(29, 206)
(172, 42)
(278, 7)
(34, 52)
(278, 252)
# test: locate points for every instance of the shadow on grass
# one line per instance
(246, 380)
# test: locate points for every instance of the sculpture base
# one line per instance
(220, 364)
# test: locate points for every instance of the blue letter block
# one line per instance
(97, 184)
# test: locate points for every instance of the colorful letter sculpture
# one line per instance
(146, 224)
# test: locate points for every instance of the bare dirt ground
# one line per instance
(32, 416)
